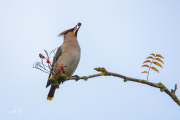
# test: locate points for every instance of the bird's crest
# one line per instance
(64, 32)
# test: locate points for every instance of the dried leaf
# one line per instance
(145, 72)
(156, 63)
(159, 60)
(153, 54)
(146, 61)
(149, 57)
(154, 69)
(158, 55)
(145, 66)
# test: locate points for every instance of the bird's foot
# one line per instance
(76, 77)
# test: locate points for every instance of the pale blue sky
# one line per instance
(115, 34)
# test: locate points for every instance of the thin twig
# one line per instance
(52, 51)
(37, 65)
(47, 54)
(41, 70)
(150, 67)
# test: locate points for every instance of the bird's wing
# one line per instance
(57, 55)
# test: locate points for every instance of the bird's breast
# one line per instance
(70, 60)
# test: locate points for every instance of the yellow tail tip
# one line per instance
(49, 98)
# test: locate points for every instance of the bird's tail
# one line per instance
(51, 93)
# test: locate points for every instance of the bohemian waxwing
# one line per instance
(68, 55)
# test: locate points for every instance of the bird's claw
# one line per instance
(76, 77)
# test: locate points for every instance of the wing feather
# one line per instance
(56, 57)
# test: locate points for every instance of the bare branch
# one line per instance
(175, 88)
(47, 54)
(52, 52)
(42, 70)
(35, 65)
(156, 85)
(103, 72)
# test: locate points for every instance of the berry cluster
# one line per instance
(61, 69)
(42, 56)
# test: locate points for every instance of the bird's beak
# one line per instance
(76, 28)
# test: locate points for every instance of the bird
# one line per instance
(68, 55)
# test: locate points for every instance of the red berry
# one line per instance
(42, 56)
(79, 24)
(47, 61)
(61, 66)
(59, 69)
